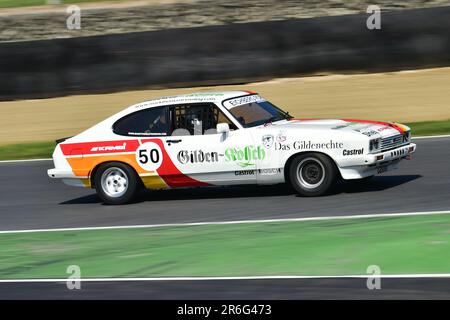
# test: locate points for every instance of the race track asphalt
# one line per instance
(285, 289)
(30, 200)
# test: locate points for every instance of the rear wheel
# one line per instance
(312, 174)
(116, 183)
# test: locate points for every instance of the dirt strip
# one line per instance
(407, 96)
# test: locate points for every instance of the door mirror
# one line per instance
(223, 128)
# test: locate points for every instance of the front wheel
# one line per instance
(312, 174)
(116, 183)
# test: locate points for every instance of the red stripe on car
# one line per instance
(170, 173)
(387, 124)
(99, 147)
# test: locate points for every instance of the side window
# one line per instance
(149, 122)
(197, 119)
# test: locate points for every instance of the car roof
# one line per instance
(195, 97)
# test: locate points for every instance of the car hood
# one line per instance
(375, 129)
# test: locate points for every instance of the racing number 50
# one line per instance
(149, 156)
(146, 155)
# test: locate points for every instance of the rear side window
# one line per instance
(149, 122)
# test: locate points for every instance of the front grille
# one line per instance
(393, 142)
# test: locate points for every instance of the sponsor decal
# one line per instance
(383, 129)
(282, 147)
(353, 152)
(196, 97)
(269, 171)
(302, 145)
(244, 173)
(267, 141)
(147, 133)
(99, 147)
(197, 156)
(110, 148)
(246, 156)
(245, 100)
(309, 145)
(345, 125)
(281, 137)
(370, 133)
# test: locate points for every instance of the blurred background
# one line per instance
(64, 68)
(66, 65)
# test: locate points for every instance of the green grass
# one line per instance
(415, 244)
(31, 150)
(45, 149)
(428, 128)
(27, 3)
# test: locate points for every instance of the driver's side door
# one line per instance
(202, 154)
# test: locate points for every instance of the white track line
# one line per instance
(274, 277)
(191, 224)
(25, 160)
(431, 137)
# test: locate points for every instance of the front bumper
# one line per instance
(373, 164)
(390, 155)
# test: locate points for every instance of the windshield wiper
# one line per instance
(285, 116)
(288, 116)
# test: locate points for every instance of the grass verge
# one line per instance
(45, 149)
(31, 150)
(401, 245)
(429, 128)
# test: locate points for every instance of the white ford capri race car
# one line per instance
(224, 138)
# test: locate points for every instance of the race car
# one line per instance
(224, 138)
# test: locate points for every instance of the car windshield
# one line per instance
(253, 111)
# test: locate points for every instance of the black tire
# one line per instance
(312, 174)
(127, 183)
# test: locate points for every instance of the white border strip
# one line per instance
(431, 137)
(25, 160)
(274, 277)
(191, 224)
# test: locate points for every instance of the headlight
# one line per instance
(374, 144)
